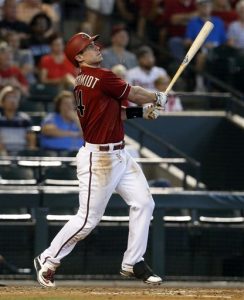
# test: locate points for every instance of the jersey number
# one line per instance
(79, 105)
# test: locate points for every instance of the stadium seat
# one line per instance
(60, 176)
(43, 92)
(31, 106)
(161, 182)
(17, 175)
(37, 152)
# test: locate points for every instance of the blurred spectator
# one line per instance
(235, 32)
(22, 58)
(38, 41)
(27, 9)
(233, 3)
(10, 74)
(145, 74)
(10, 22)
(86, 27)
(55, 68)
(117, 53)
(223, 10)
(127, 12)
(177, 14)
(15, 126)
(174, 103)
(216, 37)
(98, 14)
(120, 71)
(139, 16)
(61, 130)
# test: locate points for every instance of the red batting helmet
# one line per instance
(78, 43)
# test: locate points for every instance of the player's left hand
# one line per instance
(161, 99)
(150, 112)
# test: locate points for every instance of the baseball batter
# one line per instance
(103, 165)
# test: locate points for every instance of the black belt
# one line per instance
(116, 147)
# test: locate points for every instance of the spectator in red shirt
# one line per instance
(10, 74)
(223, 10)
(55, 68)
(177, 14)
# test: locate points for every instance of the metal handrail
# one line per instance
(191, 161)
(223, 85)
(169, 146)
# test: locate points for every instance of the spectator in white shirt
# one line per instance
(146, 73)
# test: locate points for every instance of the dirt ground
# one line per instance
(119, 293)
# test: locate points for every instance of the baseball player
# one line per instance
(103, 165)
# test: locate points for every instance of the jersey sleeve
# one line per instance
(113, 86)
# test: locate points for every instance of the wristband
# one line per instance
(134, 112)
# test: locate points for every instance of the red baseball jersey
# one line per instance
(99, 93)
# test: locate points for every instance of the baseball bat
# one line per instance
(197, 43)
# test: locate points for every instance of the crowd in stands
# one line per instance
(141, 41)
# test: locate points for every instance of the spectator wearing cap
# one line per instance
(235, 31)
(117, 53)
(146, 72)
(15, 126)
(9, 73)
(216, 37)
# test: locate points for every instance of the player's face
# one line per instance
(92, 55)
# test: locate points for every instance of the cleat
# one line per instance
(44, 274)
(127, 271)
(141, 271)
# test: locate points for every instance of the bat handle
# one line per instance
(173, 80)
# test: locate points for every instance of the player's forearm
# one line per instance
(141, 96)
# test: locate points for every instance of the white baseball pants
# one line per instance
(100, 174)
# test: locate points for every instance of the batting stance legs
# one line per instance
(99, 174)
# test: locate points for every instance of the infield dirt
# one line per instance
(119, 293)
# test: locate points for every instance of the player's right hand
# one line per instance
(161, 99)
(150, 112)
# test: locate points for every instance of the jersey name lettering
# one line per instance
(86, 80)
